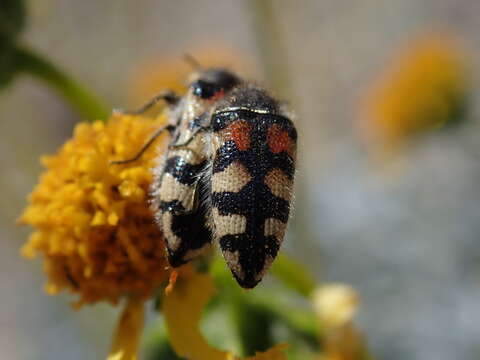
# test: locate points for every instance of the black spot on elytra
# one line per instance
(253, 201)
(256, 163)
(253, 254)
(194, 234)
(190, 228)
(182, 171)
(221, 119)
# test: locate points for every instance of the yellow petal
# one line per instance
(128, 332)
(183, 307)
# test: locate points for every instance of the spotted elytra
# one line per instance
(227, 174)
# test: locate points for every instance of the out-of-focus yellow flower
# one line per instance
(92, 221)
(424, 88)
(336, 306)
(166, 72)
(183, 306)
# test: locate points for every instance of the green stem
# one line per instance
(83, 101)
(271, 47)
(252, 324)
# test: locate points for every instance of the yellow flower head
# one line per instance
(92, 220)
(335, 304)
(423, 89)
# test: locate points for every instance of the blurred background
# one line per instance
(385, 94)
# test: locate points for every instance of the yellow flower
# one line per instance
(424, 88)
(129, 331)
(183, 307)
(92, 221)
(336, 306)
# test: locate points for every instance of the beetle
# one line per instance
(227, 174)
(252, 170)
(176, 190)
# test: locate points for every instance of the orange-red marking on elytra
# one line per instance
(278, 140)
(239, 132)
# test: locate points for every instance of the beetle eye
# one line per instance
(203, 89)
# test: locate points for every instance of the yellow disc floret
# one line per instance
(92, 220)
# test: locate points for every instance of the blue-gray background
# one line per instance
(408, 243)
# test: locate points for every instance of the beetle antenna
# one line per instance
(192, 62)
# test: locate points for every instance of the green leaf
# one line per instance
(293, 275)
(12, 19)
(82, 100)
(253, 324)
(156, 345)
(8, 67)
